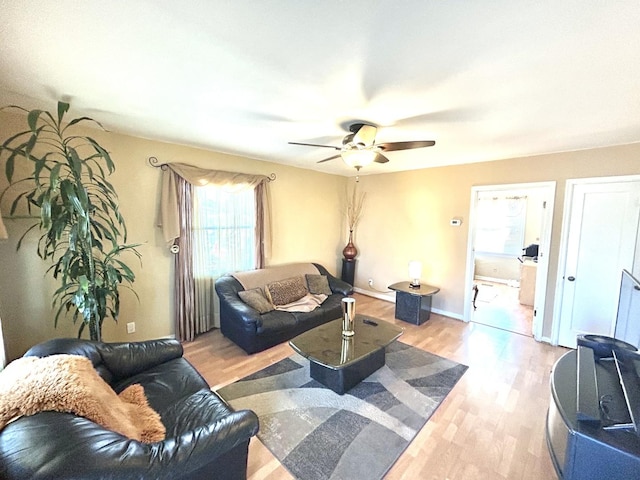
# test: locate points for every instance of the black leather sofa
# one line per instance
(255, 332)
(205, 438)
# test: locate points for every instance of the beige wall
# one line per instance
(307, 226)
(407, 216)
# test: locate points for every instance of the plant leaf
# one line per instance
(63, 108)
(32, 119)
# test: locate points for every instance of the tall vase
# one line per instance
(350, 251)
(348, 316)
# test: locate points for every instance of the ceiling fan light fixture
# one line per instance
(358, 158)
(360, 149)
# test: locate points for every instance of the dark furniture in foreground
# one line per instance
(255, 332)
(413, 304)
(581, 442)
(340, 363)
(205, 438)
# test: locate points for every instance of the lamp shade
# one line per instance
(358, 158)
(3, 230)
(415, 272)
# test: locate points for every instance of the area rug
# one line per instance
(318, 435)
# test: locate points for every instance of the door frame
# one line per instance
(570, 185)
(544, 248)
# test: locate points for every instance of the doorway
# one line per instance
(599, 240)
(504, 287)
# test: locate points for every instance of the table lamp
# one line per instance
(415, 271)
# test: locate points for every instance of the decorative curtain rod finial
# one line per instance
(155, 163)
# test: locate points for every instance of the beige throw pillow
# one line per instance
(318, 284)
(287, 290)
(255, 299)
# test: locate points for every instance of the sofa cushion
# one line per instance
(166, 382)
(256, 299)
(287, 290)
(318, 284)
(192, 412)
(276, 321)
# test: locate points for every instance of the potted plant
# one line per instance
(79, 219)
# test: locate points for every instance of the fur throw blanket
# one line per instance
(69, 383)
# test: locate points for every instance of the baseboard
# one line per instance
(391, 297)
(388, 297)
(482, 278)
(444, 313)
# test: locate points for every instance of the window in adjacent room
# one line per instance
(500, 225)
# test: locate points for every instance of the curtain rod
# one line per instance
(155, 163)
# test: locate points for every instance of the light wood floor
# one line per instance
(498, 306)
(491, 425)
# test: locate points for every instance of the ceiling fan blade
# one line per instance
(327, 159)
(313, 145)
(365, 135)
(391, 146)
(380, 158)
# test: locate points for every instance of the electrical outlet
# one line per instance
(131, 327)
(371, 282)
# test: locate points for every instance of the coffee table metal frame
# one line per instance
(340, 363)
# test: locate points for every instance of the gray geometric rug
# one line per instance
(318, 435)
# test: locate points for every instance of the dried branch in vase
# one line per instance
(355, 202)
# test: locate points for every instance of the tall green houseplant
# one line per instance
(79, 219)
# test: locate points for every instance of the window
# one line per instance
(224, 230)
(500, 225)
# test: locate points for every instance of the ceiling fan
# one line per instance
(359, 148)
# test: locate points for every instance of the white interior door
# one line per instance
(601, 229)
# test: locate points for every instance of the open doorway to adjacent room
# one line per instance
(507, 265)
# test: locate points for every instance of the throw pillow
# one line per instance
(255, 299)
(318, 284)
(287, 290)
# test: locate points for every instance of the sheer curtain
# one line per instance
(194, 292)
(223, 232)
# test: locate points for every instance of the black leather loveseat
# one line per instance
(205, 438)
(253, 331)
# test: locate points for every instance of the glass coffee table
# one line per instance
(340, 363)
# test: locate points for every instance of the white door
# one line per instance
(601, 230)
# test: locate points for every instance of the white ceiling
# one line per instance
(485, 79)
